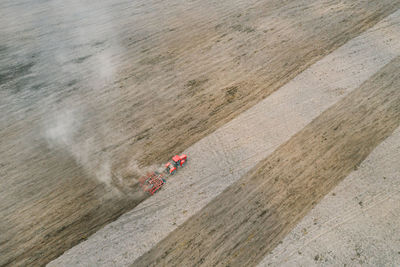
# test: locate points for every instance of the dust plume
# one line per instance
(65, 130)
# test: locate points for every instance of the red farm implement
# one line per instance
(152, 182)
(177, 161)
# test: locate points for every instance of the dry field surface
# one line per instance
(94, 93)
(223, 157)
(356, 224)
(252, 216)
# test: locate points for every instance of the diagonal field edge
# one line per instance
(217, 160)
(250, 217)
(342, 220)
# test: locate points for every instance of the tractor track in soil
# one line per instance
(250, 137)
(87, 89)
(269, 201)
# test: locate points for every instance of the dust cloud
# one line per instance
(70, 123)
(63, 130)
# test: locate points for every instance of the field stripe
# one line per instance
(355, 222)
(223, 157)
(250, 217)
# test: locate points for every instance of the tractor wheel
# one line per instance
(183, 164)
(173, 172)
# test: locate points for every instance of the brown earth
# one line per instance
(242, 61)
(249, 219)
(98, 87)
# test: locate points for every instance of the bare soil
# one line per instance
(251, 217)
(92, 94)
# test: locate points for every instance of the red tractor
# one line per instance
(152, 182)
(177, 161)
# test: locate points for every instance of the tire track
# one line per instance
(375, 183)
(250, 217)
(256, 133)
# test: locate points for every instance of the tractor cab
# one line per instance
(177, 161)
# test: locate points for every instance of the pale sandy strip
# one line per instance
(356, 225)
(223, 157)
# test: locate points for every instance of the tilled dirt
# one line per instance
(88, 90)
(356, 223)
(223, 157)
(250, 218)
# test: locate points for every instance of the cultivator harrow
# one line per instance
(152, 182)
